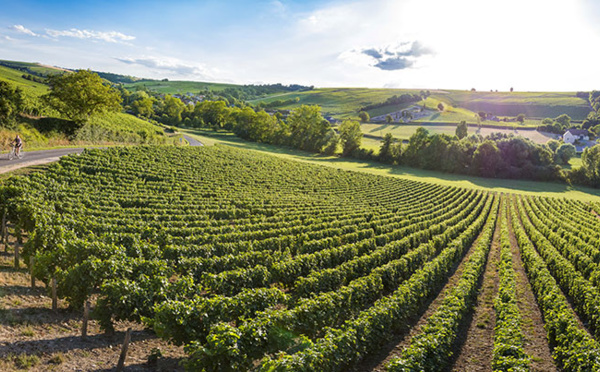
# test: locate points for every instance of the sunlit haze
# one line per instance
(535, 45)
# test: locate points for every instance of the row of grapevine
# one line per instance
(509, 353)
(255, 262)
(573, 348)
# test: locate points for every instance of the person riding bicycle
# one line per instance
(18, 143)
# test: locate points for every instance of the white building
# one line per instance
(573, 135)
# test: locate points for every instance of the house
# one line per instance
(573, 135)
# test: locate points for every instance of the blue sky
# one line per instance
(459, 44)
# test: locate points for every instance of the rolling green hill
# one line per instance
(49, 130)
(532, 104)
(460, 105)
(15, 77)
(173, 87)
(345, 103)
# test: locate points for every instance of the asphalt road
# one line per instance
(192, 141)
(34, 158)
(48, 156)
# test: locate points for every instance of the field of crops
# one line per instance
(259, 263)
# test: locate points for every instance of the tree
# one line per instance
(173, 109)
(143, 107)
(350, 136)
(332, 139)
(11, 102)
(521, 118)
(364, 116)
(591, 164)
(213, 113)
(553, 144)
(81, 95)
(486, 159)
(462, 130)
(565, 152)
(511, 89)
(388, 118)
(482, 115)
(440, 106)
(417, 144)
(389, 152)
(563, 120)
(307, 128)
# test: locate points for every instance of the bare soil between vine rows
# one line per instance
(35, 338)
(378, 361)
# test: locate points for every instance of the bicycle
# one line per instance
(12, 154)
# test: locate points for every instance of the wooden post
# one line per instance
(86, 315)
(31, 263)
(54, 299)
(16, 254)
(3, 231)
(121, 363)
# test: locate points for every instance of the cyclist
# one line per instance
(18, 143)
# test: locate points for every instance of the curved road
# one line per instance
(48, 156)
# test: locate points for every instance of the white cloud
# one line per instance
(22, 29)
(108, 36)
(171, 65)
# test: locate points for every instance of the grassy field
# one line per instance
(172, 87)
(404, 131)
(209, 138)
(532, 104)
(460, 105)
(15, 77)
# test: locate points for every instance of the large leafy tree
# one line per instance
(308, 129)
(11, 102)
(389, 152)
(350, 136)
(487, 159)
(81, 95)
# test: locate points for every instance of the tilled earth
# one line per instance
(35, 338)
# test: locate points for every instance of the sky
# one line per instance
(531, 45)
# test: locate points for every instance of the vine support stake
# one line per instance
(4, 232)
(31, 263)
(54, 299)
(16, 254)
(121, 363)
(86, 315)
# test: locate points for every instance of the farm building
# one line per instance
(573, 135)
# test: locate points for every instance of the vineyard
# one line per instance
(252, 262)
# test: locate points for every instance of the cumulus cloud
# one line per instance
(168, 64)
(397, 57)
(22, 29)
(108, 36)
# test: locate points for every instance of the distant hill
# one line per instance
(459, 105)
(344, 103)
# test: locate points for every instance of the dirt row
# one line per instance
(474, 348)
(35, 338)
(377, 361)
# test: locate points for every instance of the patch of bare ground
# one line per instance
(377, 361)
(35, 338)
(477, 341)
(596, 214)
(536, 341)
